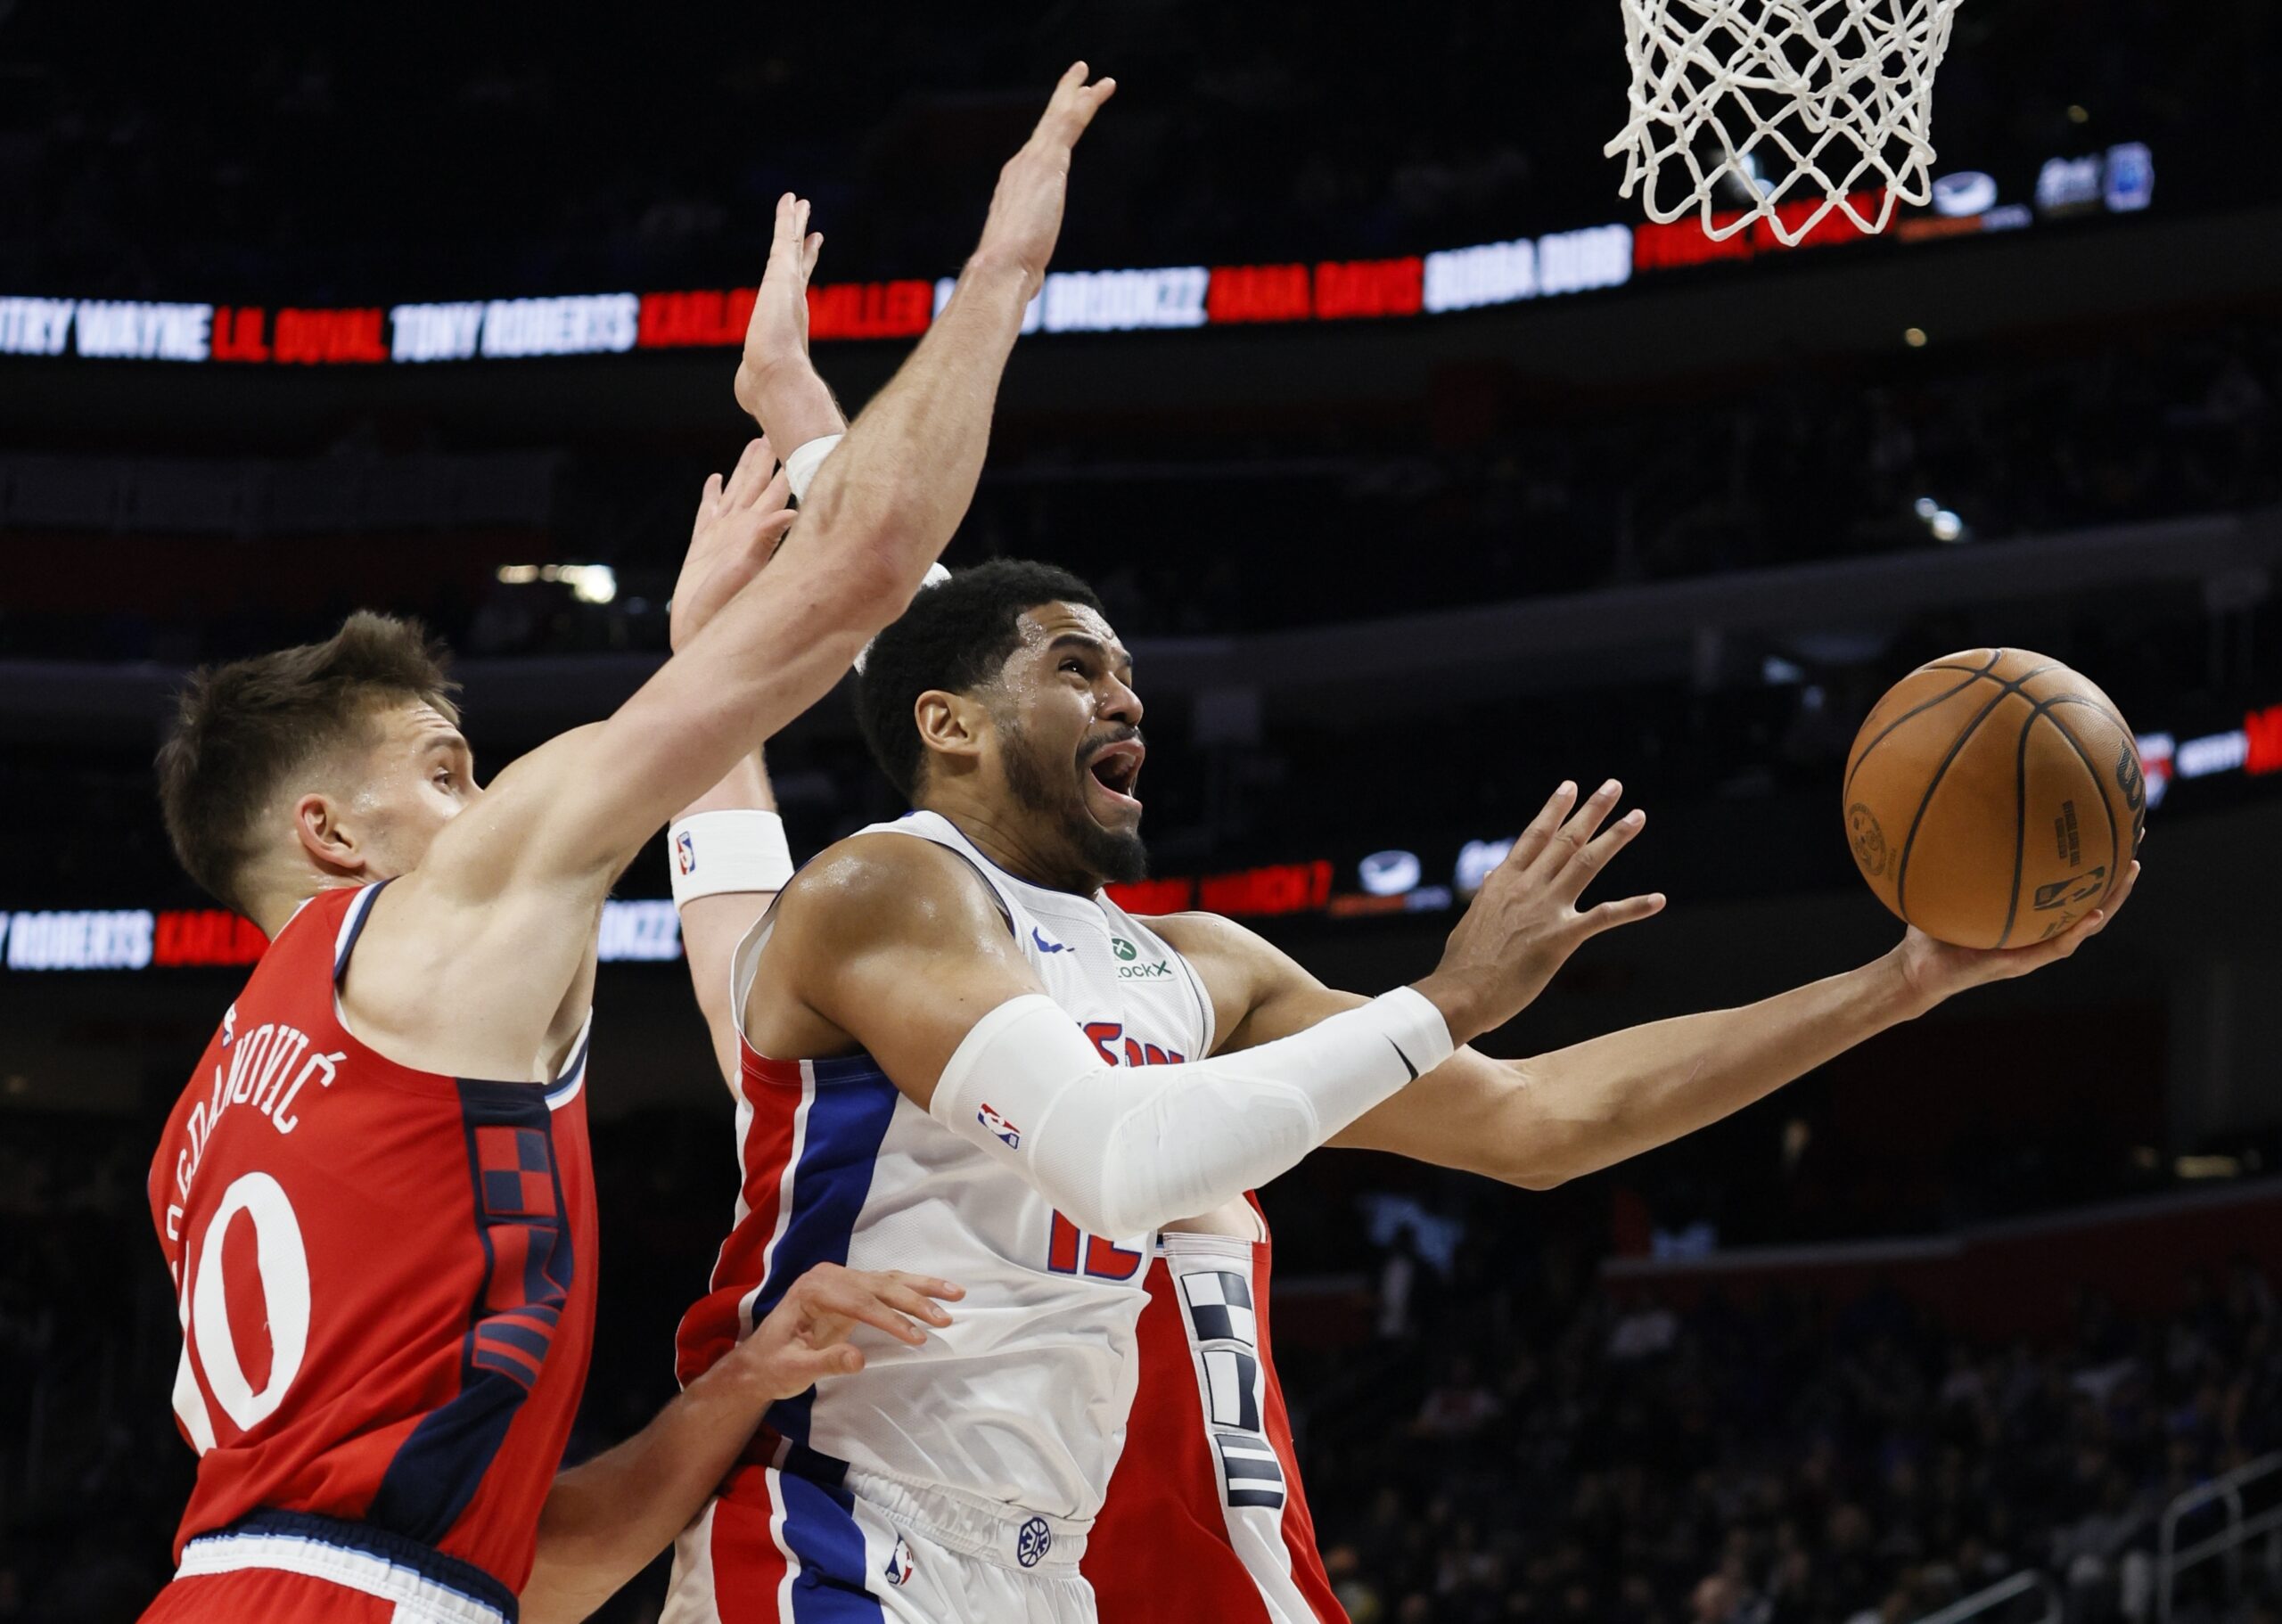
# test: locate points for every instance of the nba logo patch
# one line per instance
(685, 851)
(899, 1564)
(1000, 1128)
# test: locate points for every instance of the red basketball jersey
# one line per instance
(385, 1277)
(1205, 1517)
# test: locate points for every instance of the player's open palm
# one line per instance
(740, 523)
(1025, 218)
(805, 1337)
(1526, 921)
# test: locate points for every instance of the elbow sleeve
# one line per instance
(1122, 1151)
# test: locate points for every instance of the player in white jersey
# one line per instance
(952, 1054)
(1000, 1082)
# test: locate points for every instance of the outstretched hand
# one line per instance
(1025, 218)
(741, 522)
(1525, 922)
(777, 335)
(805, 1337)
(1934, 969)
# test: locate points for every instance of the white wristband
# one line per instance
(801, 467)
(709, 853)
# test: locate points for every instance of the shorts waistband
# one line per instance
(973, 1525)
(355, 1556)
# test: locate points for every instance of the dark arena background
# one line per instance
(1420, 472)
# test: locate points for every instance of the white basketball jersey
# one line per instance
(1023, 1399)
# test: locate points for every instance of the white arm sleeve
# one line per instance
(1124, 1149)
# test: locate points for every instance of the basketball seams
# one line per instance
(1901, 867)
(2099, 783)
(1973, 676)
(2020, 820)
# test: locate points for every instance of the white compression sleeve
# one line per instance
(1122, 1151)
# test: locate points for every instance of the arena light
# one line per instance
(589, 583)
(1388, 874)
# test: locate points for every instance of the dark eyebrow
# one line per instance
(1093, 645)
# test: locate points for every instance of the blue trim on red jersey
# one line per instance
(363, 909)
(847, 1118)
(526, 1275)
(430, 1564)
(821, 1531)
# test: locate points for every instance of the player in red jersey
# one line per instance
(375, 1196)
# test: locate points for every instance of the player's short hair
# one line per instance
(955, 637)
(238, 729)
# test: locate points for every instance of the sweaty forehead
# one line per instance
(416, 722)
(1041, 626)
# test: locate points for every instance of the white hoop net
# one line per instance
(1766, 103)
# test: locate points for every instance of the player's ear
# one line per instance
(949, 724)
(318, 825)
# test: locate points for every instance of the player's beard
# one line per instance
(1106, 856)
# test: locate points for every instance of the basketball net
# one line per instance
(1765, 103)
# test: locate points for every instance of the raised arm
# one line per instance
(894, 945)
(879, 510)
(496, 925)
(1559, 1115)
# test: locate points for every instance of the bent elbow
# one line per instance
(1535, 1177)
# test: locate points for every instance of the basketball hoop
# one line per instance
(1840, 90)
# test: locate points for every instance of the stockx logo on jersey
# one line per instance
(1000, 1128)
(1129, 970)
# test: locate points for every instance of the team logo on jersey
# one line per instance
(1032, 1542)
(1043, 946)
(1124, 949)
(685, 851)
(1000, 1128)
(899, 1564)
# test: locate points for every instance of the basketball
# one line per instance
(1993, 797)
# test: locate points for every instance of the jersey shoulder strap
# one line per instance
(744, 963)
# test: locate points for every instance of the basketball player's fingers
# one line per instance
(1569, 841)
(2123, 893)
(766, 484)
(1599, 852)
(710, 497)
(1072, 106)
(932, 1285)
(813, 247)
(847, 1297)
(755, 463)
(1631, 910)
(775, 512)
(1531, 840)
(895, 1295)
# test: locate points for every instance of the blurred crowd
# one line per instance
(1190, 532)
(1542, 1448)
(1504, 1437)
(283, 156)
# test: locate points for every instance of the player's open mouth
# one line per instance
(1116, 768)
